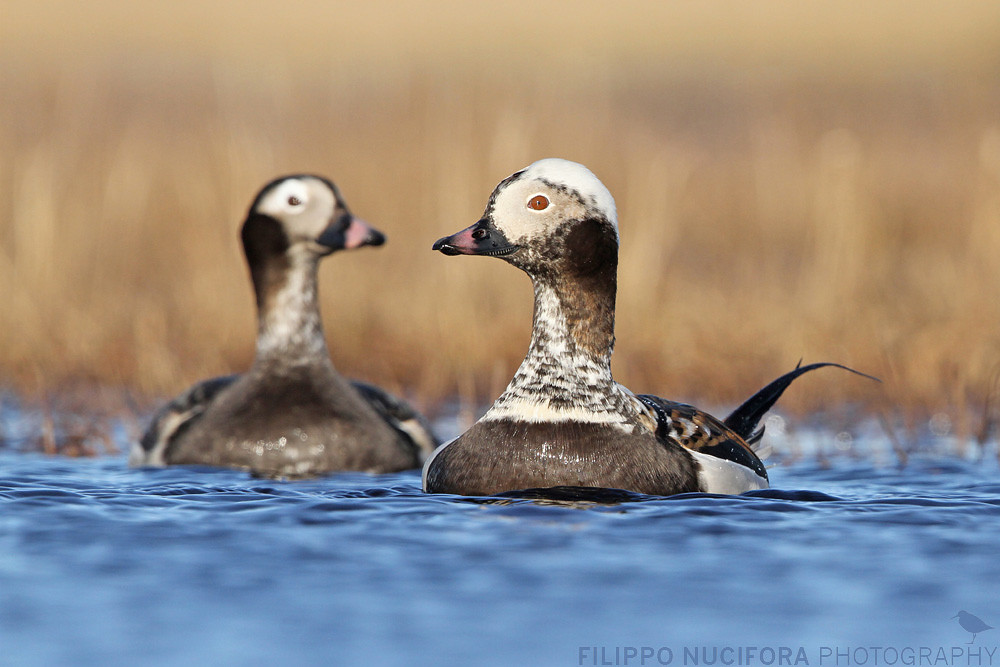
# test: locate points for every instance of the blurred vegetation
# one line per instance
(794, 180)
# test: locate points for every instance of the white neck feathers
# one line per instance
(290, 327)
(559, 381)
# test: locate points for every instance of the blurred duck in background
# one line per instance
(292, 414)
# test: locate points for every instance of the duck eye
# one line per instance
(294, 201)
(538, 203)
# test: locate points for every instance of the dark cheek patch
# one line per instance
(591, 248)
(263, 237)
(265, 244)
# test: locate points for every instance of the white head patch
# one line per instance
(290, 196)
(570, 191)
(575, 176)
(304, 205)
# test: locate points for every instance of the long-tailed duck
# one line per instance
(292, 414)
(563, 420)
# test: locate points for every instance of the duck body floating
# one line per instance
(563, 420)
(292, 414)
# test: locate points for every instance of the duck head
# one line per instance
(303, 216)
(553, 215)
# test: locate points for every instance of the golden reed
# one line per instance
(848, 218)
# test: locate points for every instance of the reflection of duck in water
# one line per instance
(972, 624)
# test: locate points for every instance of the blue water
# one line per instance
(103, 565)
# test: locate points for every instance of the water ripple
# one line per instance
(366, 569)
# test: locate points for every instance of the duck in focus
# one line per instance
(563, 420)
(292, 414)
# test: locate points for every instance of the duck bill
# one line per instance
(481, 238)
(348, 233)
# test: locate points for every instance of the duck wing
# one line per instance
(176, 417)
(701, 432)
(401, 416)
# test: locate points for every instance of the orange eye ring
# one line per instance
(538, 203)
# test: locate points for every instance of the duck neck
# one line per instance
(289, 328)
(575, 327)
(566, 375)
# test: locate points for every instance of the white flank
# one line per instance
(430, 459)
(418, 434)
(138, 457)
(726, 477)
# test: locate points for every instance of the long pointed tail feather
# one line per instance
(745, 418)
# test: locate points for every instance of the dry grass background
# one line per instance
(816, 180)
